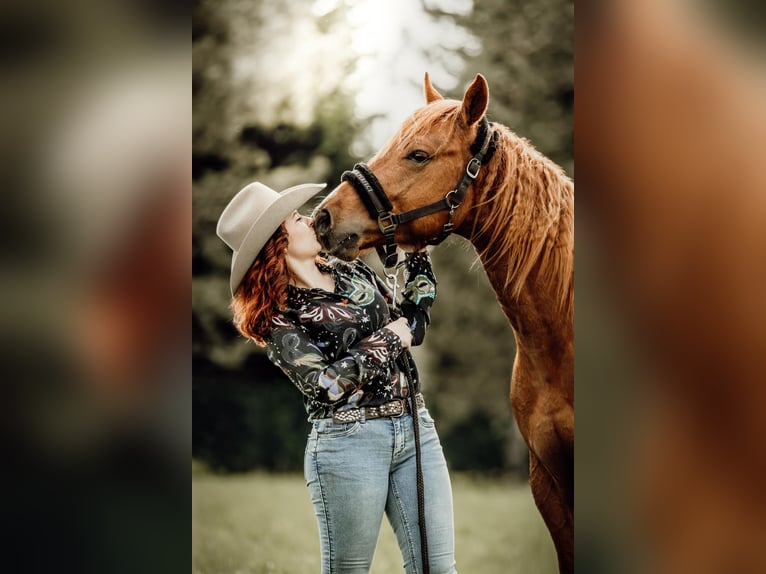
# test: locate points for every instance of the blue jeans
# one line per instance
(358, 471)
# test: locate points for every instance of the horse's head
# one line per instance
(420, 165)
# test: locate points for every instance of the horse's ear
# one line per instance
(431, 94)
(475, 100)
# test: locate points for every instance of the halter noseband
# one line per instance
(377, 203)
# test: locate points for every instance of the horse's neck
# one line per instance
(543, 330)
(539, 305)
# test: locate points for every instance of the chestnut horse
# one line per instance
(518, 213)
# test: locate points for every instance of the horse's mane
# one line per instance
(526, 219)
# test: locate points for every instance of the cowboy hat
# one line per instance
(251, 218)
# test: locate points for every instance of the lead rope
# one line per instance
(392, 280)
(418, 469)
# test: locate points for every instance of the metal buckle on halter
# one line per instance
(386, 228)
(448, 199)
(476, 164)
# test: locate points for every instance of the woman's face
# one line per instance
(301, 240)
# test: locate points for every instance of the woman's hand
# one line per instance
(401, 328)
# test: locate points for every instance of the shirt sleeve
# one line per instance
(324, 381)
(419, 294)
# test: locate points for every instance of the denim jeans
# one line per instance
(358, 471)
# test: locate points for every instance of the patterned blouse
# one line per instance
(334, 347)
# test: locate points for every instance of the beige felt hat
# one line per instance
(252, 216)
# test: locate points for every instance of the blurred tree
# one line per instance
(282, 125)
(475, 444)
(468, 356)
(247, 418)
(252, 121)
(527, 57)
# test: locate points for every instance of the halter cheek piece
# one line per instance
(377, 203)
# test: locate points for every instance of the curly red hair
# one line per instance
(263, 291)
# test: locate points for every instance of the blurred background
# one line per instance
(95, 162)
(298, 91)
(670, 315)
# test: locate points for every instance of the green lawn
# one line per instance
(258, 523)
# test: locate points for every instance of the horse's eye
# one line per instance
(418, 156)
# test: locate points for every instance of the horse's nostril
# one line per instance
(322, 222)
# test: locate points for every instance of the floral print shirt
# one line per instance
(334, 346)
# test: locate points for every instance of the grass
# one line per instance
(264, 523)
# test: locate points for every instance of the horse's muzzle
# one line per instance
(341, 245)
(322, 223)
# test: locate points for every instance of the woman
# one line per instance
(328, 326)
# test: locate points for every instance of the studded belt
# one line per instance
(395, 408)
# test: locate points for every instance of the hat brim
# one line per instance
(264, 227)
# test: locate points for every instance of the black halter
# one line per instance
(375, 199)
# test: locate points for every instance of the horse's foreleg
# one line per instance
(555, 512)
(552, 440)
(546, 421)
(550, 437)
